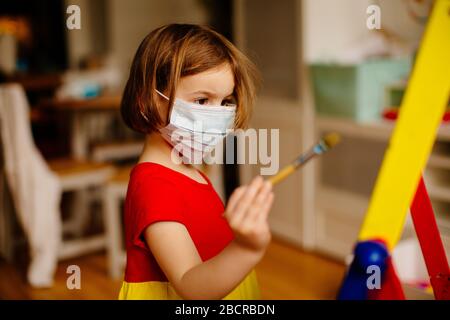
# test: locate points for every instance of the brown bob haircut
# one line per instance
(174, 51)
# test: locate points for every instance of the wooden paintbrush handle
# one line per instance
(283, 173)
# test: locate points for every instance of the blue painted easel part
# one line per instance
(366, 254)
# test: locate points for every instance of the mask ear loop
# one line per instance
(161, 94)
(165, 97)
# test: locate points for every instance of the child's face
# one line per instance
(211, 87)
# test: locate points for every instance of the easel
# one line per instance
(400, 184)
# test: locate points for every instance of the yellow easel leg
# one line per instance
(421, 112)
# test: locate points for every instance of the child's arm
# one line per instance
(177, 255)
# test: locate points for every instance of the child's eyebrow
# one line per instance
(210, 93)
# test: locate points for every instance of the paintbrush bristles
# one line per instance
(332, 139)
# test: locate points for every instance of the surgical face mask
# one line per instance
(195, 130)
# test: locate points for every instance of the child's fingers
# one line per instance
(235, 197)
(249, 195)
(266, 208)
(258, 202)
(262, 195)
(246, 199)
(256, 219)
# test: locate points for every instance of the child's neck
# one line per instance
(158, 150)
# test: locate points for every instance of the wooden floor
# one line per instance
(284, 273)
(288, 273)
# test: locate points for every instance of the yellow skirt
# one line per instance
(155, 290)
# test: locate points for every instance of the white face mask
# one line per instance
(195, 130)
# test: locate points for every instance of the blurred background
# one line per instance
(65, 150)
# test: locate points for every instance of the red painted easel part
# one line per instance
(441, 286)
(430, 242)
(446, 117)
(391, 288)
(392, 114)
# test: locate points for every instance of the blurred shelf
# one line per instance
(439, 161)
(346, 202)
(439, 192)
(376, 130)
(444, 224)
(38, 82)
(106, 102)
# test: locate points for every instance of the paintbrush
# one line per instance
(325, 144)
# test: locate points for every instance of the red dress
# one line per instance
(157, 193)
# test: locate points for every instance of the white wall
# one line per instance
(130, 21)
(329, 27)
(79, 42)
(127, 23)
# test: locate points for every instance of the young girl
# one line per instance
(181, 242)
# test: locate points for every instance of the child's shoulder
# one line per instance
(151, 174)
(152, 188)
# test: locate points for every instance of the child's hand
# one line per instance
(247, 212)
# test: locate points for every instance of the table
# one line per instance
(79, 108)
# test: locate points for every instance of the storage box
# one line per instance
(356, 91)
(411, 270)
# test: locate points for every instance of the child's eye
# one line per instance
(201, 101)
(228, 103)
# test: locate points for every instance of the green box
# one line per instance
(356, 91)
(394, 95)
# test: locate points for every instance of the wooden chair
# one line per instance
(113, 195)
(64, 174)
(79, 177)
